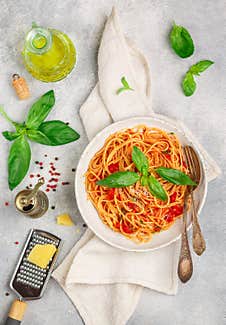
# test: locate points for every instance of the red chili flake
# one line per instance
(56, 174)
(53, 180)
(47, 190)
(38, 175)
(31, 175)
(16, 243)
(6, 204)
(40, 163)
(51, 186)
(65, 183)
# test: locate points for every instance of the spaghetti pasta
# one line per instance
(134, 211)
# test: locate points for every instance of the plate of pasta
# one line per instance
(131, 181)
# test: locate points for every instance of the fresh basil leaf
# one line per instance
(119, 179)
(200, 66)
(18, 161)
(120, 90)
(144, 180)
(181, 41)
(174, 176)
(38, 136)
(10, 135)
(156, 188)
(140, 160)
(58, 132)
(124, 82)
(40, 109)
(188, 84)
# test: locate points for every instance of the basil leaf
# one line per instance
(174, 176)
(119, 179)
(58, 132)
(40, 109)
(18, 161)
(156, 188)
(181, 41)
(188, 84)
(144, 180)
(200, 66)
(10, 135)
(124, 82)
(38, 136)
(140, 160)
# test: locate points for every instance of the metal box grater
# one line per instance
(29, 280)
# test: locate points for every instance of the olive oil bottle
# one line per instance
(49, 55)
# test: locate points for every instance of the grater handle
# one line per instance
(16, 312)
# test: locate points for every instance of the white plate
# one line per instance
(88, 211)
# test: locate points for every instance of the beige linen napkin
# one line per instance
(104, 282)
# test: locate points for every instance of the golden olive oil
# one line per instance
(49, 55)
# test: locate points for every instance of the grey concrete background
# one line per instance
(202, 300)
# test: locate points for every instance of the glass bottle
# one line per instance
(49, 55)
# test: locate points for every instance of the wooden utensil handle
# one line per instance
(16, 312)
(185, 266)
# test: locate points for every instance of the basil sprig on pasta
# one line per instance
(146, 178)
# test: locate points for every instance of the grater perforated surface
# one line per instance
(29, 280)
